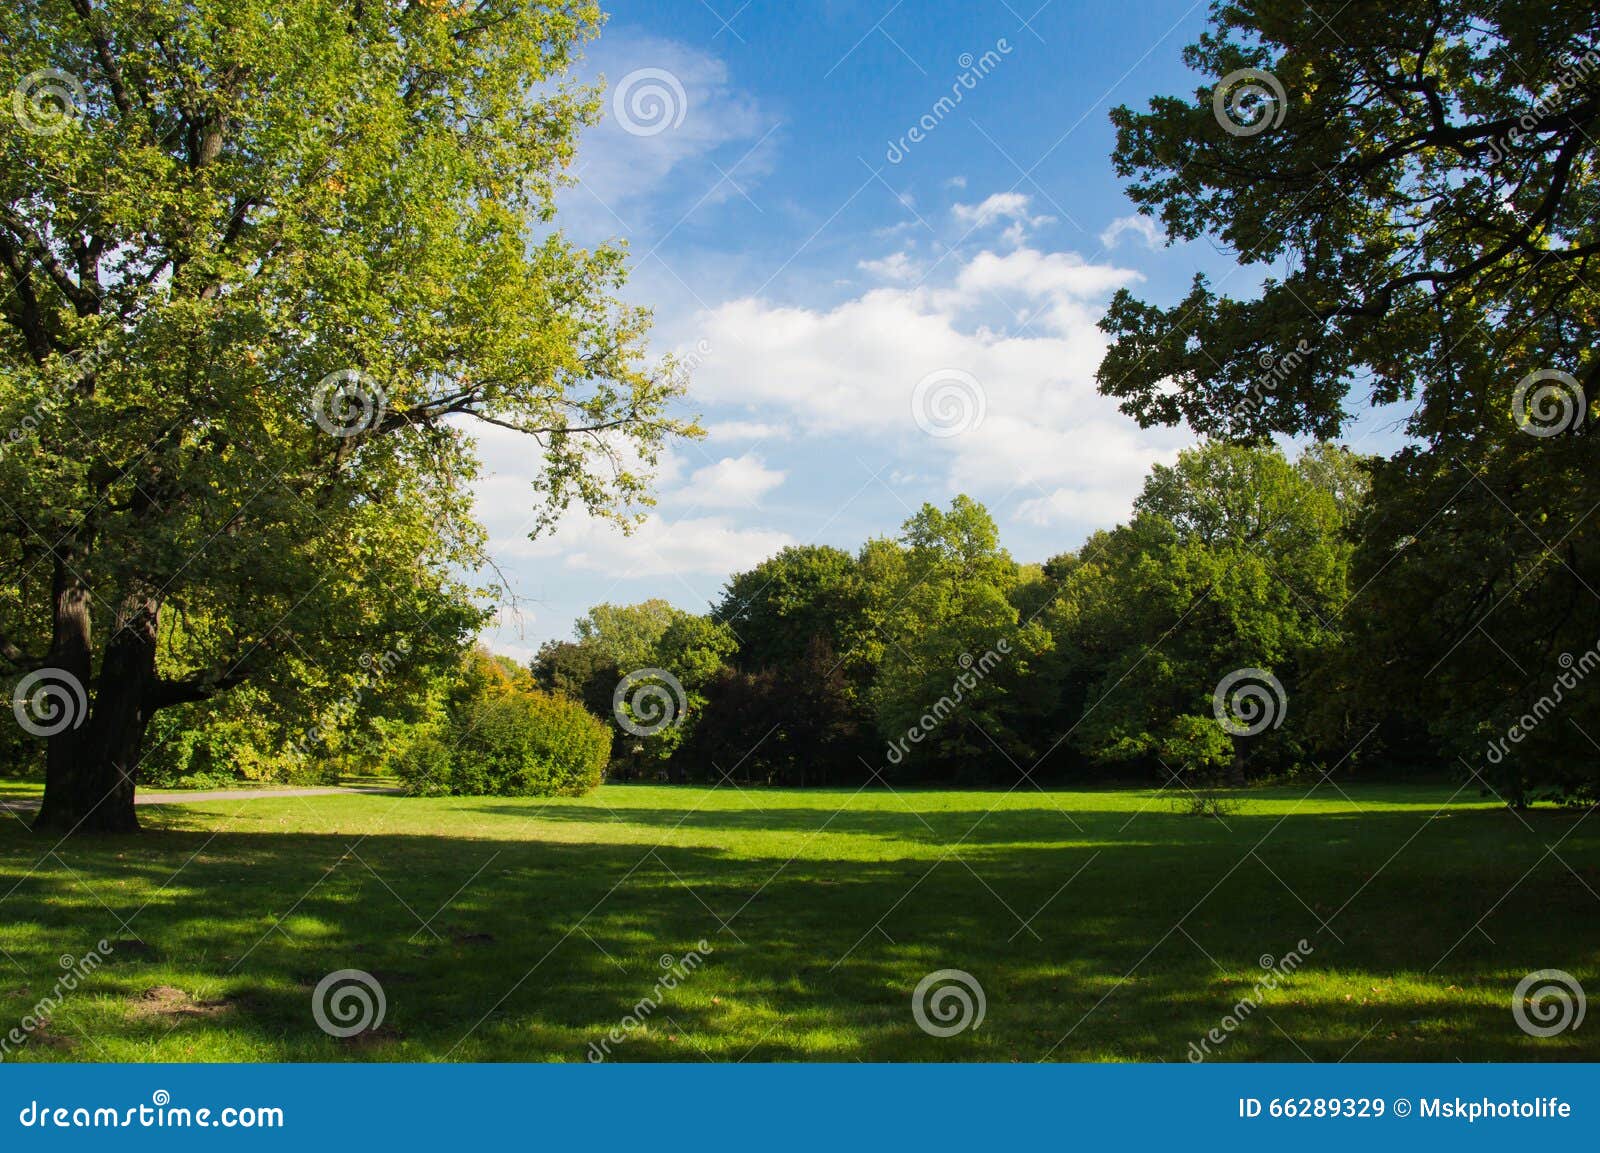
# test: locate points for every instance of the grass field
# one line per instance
(1101, 925)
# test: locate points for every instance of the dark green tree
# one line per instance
(1417, 192)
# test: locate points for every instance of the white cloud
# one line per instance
(733, 482)
(1012, 206)
(895, 266)
(675, 541)
(745, 430)
(1049, 444)
(1142, 226)
(707, 546)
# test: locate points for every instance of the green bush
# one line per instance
(520, 743)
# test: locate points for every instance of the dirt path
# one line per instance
(23, 804)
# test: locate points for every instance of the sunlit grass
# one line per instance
(1101, 925)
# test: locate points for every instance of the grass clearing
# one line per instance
(1101, 925)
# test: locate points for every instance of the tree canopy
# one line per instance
(265, 266)
(1413, 194)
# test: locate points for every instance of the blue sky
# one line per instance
(875, 320)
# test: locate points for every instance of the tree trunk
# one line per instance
(91, 771)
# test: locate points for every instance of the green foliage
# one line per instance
(257, 198)
(1213, 805)
(581, 672)
(501, 736)
(626, 635)
(789, 724)
(1421, 205)
(779, 607)
(955, 645)
(1235, 559)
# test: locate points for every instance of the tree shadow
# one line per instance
(1121, 939)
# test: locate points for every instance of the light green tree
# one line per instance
(265, 266)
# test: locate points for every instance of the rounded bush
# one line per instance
(523, 743)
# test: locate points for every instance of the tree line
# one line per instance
(1216, 636)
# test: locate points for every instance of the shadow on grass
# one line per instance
(1116, 940)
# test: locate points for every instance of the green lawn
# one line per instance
(1101, 925)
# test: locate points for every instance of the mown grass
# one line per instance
(1102, 925)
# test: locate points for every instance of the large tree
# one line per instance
(1223, 587)
(264, 265)
(1413, 193)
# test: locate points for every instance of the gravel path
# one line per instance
(19, 804)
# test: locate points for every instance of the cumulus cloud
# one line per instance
(1048, 441)
(1143, 227)
(677, 541)
(733, 482)
(705, 546)
(745, 430)
(895, 266)
(1002, 206)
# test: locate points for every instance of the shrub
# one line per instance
(1206, 805)
(518, 743)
